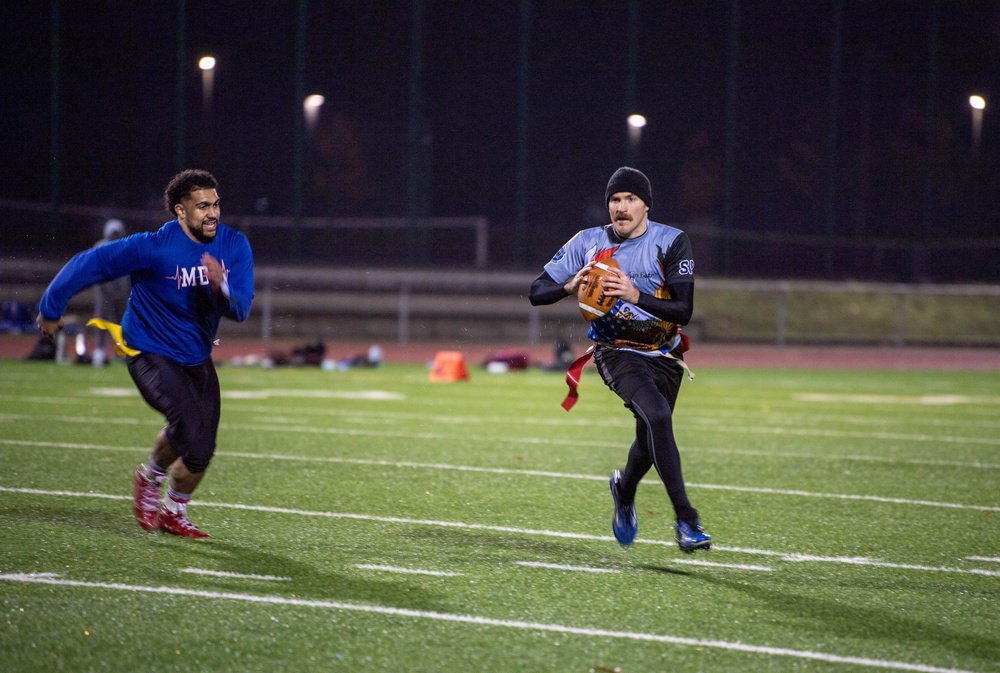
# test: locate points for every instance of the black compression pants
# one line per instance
(188, 396)
(649, 387)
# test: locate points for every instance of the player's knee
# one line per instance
(660, 419)
(657, 419)
(196, 464)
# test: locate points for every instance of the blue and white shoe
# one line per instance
(623, 523)
(692, 536)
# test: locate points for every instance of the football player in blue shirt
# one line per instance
(185, 278)
(638, 348)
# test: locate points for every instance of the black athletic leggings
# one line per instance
(649, 387)
(188, 396)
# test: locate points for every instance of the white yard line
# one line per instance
(557, 566)
(845, 434)
(530, 473)
(846, 457)
(240, 576)
(787, 556)
(477, 620)
(381, 432)
(934, 400)
(407, 571)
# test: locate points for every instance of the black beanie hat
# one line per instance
(628, 179)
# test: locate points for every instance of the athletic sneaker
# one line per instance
(145, 500)
(178, 524)
(692, 536)
(623, 523)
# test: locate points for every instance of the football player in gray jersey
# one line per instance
(638, 347)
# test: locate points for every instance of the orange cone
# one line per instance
(448, 366)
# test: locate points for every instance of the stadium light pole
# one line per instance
(636, 123)
(180, 96)
(55, 125)
(207, 65)
(978, 104)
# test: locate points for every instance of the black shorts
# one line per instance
(188, 396)
(625, 372)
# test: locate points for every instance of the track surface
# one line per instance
(701, 355)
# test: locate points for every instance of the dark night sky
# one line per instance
(118, 108)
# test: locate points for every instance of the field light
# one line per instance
(636, 121)
(635, 124)
(207, 65)
(978, 104)
(313, 102)
(311, 106)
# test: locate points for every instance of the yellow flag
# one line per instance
(115, 331)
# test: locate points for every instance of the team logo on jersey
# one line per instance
(560, 254)
(686, 267)
(196, 275)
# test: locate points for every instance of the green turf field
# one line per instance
(369, 520)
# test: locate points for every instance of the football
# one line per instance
(590, 295)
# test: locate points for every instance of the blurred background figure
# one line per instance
(109, 297)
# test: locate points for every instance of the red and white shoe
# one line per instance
(178, 524)
(145, 500)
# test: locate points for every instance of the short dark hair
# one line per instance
(186, 182)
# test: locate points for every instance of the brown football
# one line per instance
(590, 295)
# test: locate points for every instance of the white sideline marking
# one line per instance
(694, 421)
(379, 395)
(849, 434)
(712, 564)
(842, 496)
(896, 399)
(991, 559)
(408, 571)
(832, 457)
(546, 441)
(517, 531)
(539, 473)
(854, 560)
(268, 393)
(692, 562)
(556, 566)
(115, 392)
(241, 576)
(533, 473)
(487, 621)
(694, 417)
(796, 418)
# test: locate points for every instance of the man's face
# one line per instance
(198, 213)
(628, 214)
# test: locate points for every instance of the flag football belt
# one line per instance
(115, 330)
(576, 368)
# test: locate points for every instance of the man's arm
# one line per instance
(96, 265)
(677, 309)
(233, 287)
(545, 291)
(80, 272)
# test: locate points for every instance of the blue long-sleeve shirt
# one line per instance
(171, 310)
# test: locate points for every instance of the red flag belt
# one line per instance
(573, 378)
(576, 369)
